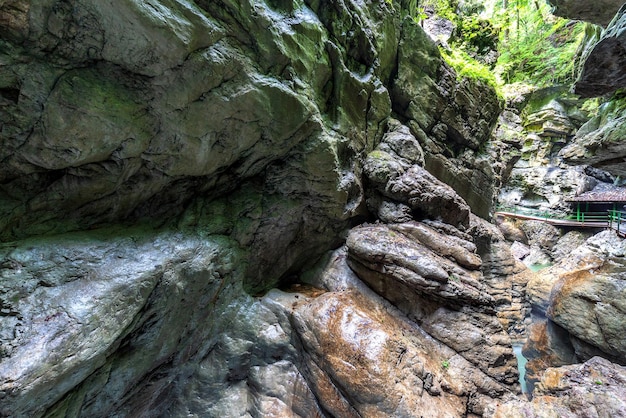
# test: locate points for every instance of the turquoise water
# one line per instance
(521, 366)
(537, 267)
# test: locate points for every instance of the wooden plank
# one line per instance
(556, 222)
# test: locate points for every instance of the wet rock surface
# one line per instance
(582, 293)
(592, 389)
(563, 153)
(442, 291)
(166, 165)
(172, 172)
(95, 314)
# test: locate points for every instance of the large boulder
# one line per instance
(599, 12)
(106, 314)
(582, 292)
(394, 170)
(592, 389)
(435, 280)
(603, 67)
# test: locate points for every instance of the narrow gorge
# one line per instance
(294, 208)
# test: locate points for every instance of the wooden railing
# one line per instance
(608, 219)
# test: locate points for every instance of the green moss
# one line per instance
(379, 155)
(468, 67)
(591, 106)
(89, 90)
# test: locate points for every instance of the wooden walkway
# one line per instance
(595, 223)
(615, 220)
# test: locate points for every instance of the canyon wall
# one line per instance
(269, 208)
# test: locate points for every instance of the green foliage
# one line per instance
(477, 34)
(442, 8)
(591, 106)
(469, 67)
(420, 15)
(616, 103)
(531, 45)
(536, 47)
(445, 364)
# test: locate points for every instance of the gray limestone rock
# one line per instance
(545, 187)
(182, 99)
(96, 314)
(603, 67)
(599, 12)
(436, 283)
(451, 120)
(582, 292)
(592, 389)
(399, 180)
(252, 134)
(599, 143)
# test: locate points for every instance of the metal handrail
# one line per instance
(613, 219)
(546, 214)
(617, 221)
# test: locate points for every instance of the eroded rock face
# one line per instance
(539, 133)
(600, 12)
(451, 120)
(234, 137)
(95, 314)
(548, 345)
(403, 189)
(254, 134)
(97, 132)
(599, 143)
(603, 68)
(582, 294)
(354, 354)
(441, 290)
(440, 380)
(593, 389)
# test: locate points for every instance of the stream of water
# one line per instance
(521, 366)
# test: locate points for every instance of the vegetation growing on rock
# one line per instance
(515, 41)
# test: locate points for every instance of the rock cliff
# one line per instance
(603, 67)
(599, 12)
(259, 208)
